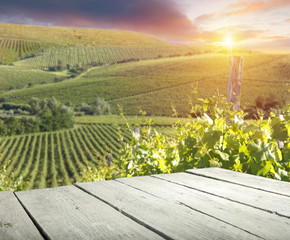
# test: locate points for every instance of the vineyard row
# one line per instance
(83, 56)
(58, 158)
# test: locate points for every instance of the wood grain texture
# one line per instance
(257, 182)
(70, 213)
(261, 223)
(14, 221)
(173, 220)
(259, 199)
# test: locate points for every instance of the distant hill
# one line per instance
(22, 41)
(78, 36)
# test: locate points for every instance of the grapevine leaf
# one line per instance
(266, 169)
(208, 119)
(286, 153)
(223, 156)
(279, 129)
(257, 151)
(214, 163)
(210, 139)
(232, 142)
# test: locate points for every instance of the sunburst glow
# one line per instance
(228, 42)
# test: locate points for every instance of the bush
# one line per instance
(53, 114)
(98, 107)
(13, 126)
(9, 183)
(216, 137)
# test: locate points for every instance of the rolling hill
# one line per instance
(125, 68)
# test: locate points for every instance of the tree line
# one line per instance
(48, 115)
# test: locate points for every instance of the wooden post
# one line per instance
(136, 130)
(109, 159)
(235, 81)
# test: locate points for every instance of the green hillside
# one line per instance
(156, 85)
(21, 41)
(134, 70)
(77, 36)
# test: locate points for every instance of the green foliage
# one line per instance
(217, 137)
(50, 116)
(8, 183)
(221, 138)
(14, 126)
(148, 152)
(105, 172)
(53, 114)
(98, 107)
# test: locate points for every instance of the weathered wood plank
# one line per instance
(261, 223)
(259, 199)
(248, 180)
(174, 221)
(70, 213)
(14, 221)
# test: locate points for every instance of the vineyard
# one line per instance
(147, 84)
(64, 36)
(92, 56)
(58, 158)
(133, 70)
(13, 49)
(17, 78)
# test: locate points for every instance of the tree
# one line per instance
(100, 107)
(53, 114)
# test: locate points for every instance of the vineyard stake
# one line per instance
(109, 159)
(235, 81)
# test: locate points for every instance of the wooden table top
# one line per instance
(210, 203)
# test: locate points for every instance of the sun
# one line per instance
(228, 42)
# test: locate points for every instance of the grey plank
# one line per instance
(70, 213)
(244, 179)
(259, 199)
(173, 220)
(260, 223)
(14, 221)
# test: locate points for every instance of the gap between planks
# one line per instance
(39, 228)
(126, 214)
(221, 196)
(222, 179)
(191, 208)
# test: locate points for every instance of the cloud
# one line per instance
(238, 33)
(246, 7)
(160, 17)
(273, 44)
(273, 37)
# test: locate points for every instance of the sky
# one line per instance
(257, 24)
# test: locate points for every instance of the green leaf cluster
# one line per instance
(217, 136)
(9, 183)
